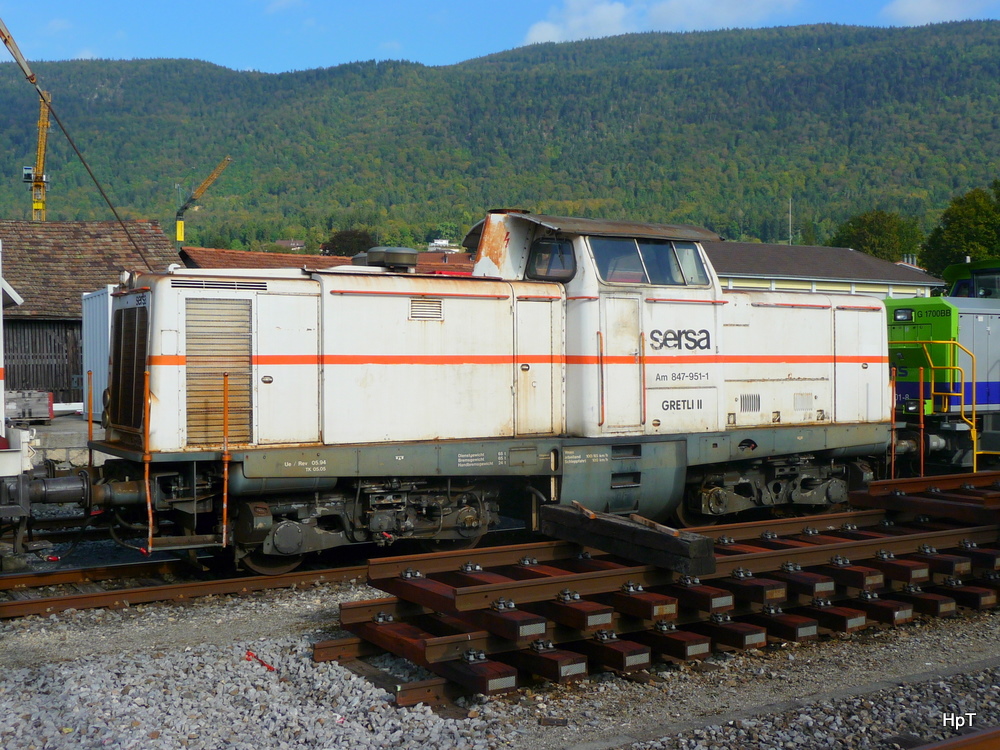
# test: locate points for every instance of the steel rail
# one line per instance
(792, 525)
(856, 550)
(469, 598)
(440, 562)
(914, 485)
(59, 522)
(176, 592)
(11, 581)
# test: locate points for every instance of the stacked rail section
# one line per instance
(485, 621)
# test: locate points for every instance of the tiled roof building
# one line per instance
(807, 268)
(208, 257)
(51, 265)
(204, 257)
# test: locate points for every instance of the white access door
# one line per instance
(621, 376)
(860, 367)
(286, 368)
(535, 372)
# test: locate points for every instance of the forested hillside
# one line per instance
(719, 129)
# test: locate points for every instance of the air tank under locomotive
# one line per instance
(282, 412)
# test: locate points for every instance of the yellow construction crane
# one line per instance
(197, 194)
(22, 63)
(36, 176)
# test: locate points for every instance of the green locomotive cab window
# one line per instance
(551, 259)
(962, 288)
(987, 284)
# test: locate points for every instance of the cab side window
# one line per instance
(618, 260)
(551, 259)
(962, 288)
(661, 263)
(692, 270)
(626, 260)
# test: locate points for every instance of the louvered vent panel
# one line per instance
(218, 341)
(260, 286)
(426, 309)
(128, 365)
(750, 403)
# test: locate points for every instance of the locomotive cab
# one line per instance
(695, 401)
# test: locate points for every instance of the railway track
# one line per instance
(485, 620)
(47, 593)
(739, 546)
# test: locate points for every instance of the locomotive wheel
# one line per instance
(271, 565)
(688, 518)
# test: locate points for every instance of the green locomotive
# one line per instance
(947, 372)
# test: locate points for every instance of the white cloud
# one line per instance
(544, 31)
(583, 19)
(919, 12)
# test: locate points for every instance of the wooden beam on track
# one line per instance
(985, 739)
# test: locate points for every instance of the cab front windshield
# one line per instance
(982, 284)
(648, 261)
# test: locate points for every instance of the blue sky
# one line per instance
(280, 35)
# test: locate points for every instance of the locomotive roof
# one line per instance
(958, 271)
(600, 227)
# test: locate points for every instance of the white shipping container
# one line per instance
(96, 346)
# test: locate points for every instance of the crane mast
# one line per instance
(40, 180)
(199, 191)
(36, 176)
(22, 63)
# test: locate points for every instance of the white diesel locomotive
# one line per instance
(281, 412)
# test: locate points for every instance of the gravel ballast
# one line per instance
(172, 676)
